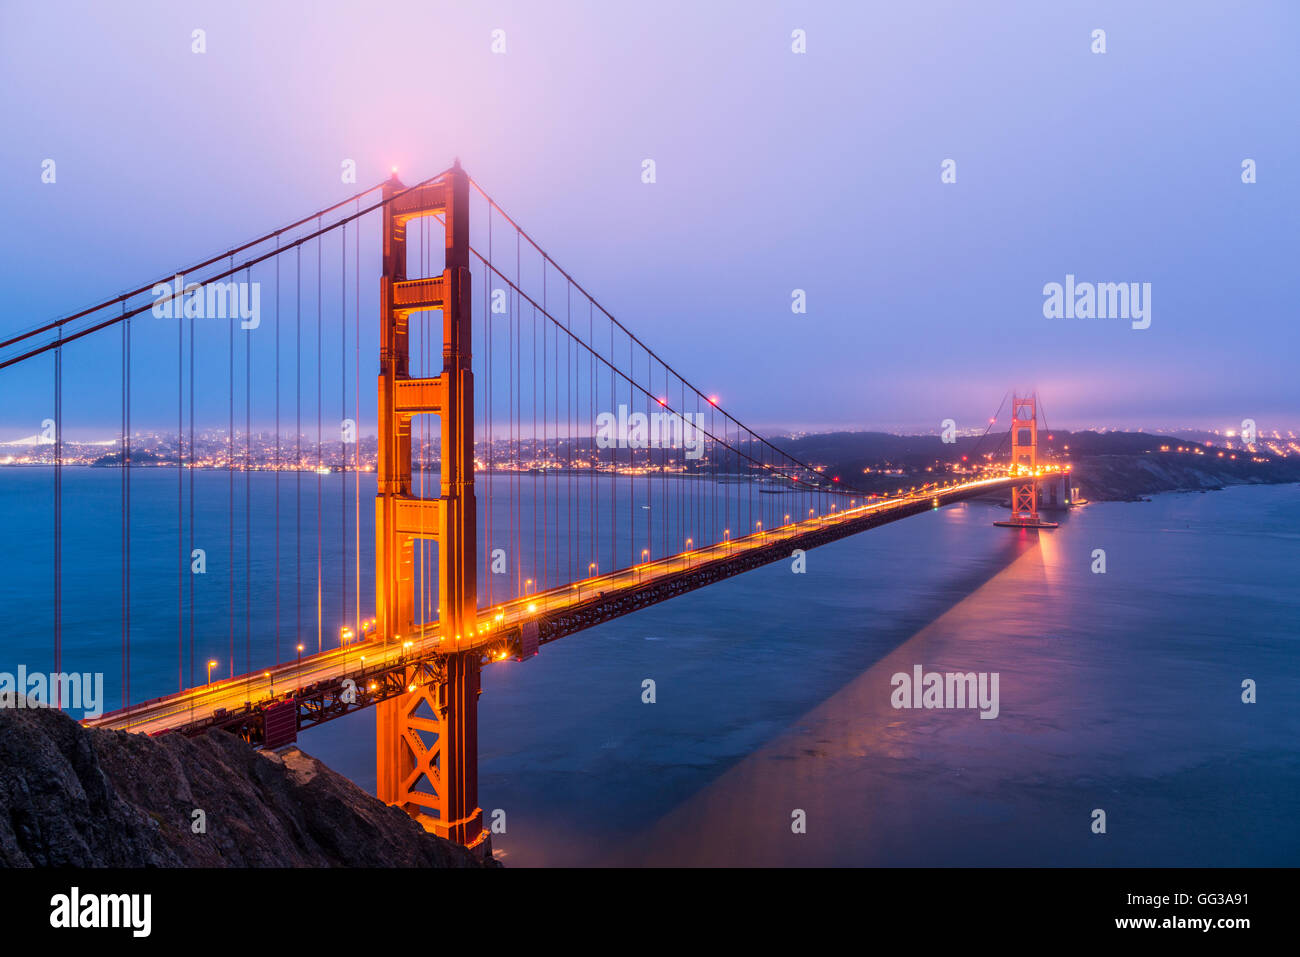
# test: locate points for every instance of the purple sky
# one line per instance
(775, 171)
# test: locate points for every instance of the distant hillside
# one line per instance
(1107, 466)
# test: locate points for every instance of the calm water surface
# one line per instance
(1119, 691)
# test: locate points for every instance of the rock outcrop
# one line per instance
(78, 797)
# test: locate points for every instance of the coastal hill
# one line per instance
(1107, 466)
(80, 797)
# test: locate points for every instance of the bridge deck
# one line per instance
(380, 669)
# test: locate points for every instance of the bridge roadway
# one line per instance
(316, 683)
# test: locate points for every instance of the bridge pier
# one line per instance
(426, 752)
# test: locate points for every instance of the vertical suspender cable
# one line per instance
(356, 417)
(248, 465)
(191, 484)
(488, 296)
(545, 581)
(230, 507)
(180, 523)
(58, 516)
(320, 242)
(276, 518)
(592, 458)
(613, 471)
(297, 464)
(343, 446)
(517, 386)
(126, 509)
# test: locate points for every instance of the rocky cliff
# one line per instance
(72, 796)
(1129, 478)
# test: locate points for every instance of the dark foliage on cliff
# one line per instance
(72, 796)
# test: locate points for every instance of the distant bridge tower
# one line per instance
(427, 739)
(1024, 455)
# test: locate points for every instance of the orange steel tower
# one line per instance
(1024, 454)
(427, 739)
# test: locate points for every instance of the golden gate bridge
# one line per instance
(584, 522)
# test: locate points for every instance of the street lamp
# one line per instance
(299, 676)
(211, 664)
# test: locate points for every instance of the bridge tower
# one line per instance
(427, 739)
(1024, 454)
